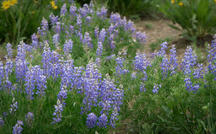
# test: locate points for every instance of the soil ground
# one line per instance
(156, 31)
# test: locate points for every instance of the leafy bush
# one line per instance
(195, 17)
(82, 74)
(132, 8)
(20, 18)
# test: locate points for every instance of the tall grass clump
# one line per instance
(21, 18)
(195, 17)
(82, 73)
(133, 8)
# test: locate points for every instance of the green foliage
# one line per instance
(19, 21)
(195, 17)
(173, 110)
(132, 8)
(154, 46)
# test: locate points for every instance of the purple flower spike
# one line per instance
(29, 118)
(63, 10)
(58, 112)
(99, 49)
(68, 47)
(91, 120)
(17, 129)
(156, 88)
(102, 121)
(1, 122)
(9, 50)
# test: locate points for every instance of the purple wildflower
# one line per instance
(141, 62)
(112, 42)
(8, 67)
(87, 40)
(133, 75)
(195, 87)
(102, 35)
(63, 10)
(129, 26)
(91, 120)
(58, 112)
(156, 88)
(35, 79)
(96, 32)
(141, 37)
(62, 95)
(120, 68)
(165, 66)
(98, 61)
(102, 12)
(114, 118)
(91, 85)
(142, 87)
(56, 39)
(71, 29)
(9, 50)
(84, 10)
(53, 19)
(21, 69)
(102, 121)
(79, 22)
(17, 129)
(188, 84)
(212, 58)
(110, 57)
(173, 60)
(68, 47)
(44, 27)
(29, 118)
(115, 18)
(34, 40)
(2, 74)
(162, 51)
(88, 20)
(99, 49)
(58, 28)
(73, 9)
(1, 122)
(188, 61)
(198, 72)
(13, 106)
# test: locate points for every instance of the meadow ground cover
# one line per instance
(82, 70)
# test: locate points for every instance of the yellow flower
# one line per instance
(8, 3)
(172, 1)
(180, 3)
(53, 4)
(13, 2)
(215, 1)
(5, 5)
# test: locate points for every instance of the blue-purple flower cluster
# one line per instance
(101, 94)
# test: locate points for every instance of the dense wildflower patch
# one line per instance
(82, 70)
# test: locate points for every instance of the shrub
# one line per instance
(195, 17)
(131, 8)
(21, 18)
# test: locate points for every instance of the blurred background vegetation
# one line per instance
(19, 19)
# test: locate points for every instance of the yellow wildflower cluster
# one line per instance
(180, 3)
(53, 4)
(8, 3)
